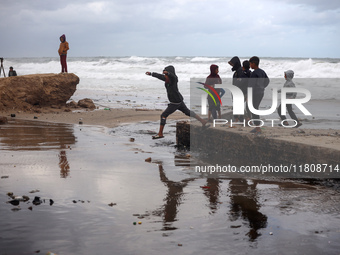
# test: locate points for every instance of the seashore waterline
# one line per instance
(83, 169)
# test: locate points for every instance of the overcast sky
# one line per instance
(267, 28)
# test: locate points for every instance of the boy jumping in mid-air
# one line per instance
(175, 98)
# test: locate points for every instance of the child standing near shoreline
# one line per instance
(176, 99)
(289, 75)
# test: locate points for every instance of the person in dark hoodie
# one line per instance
(289, 75)
(176, 99)
(211, 80)
(239, 80)
(246, 73)
(258, 82)
(63, 48)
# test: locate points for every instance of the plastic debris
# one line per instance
(205, 187)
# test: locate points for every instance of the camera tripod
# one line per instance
(2, 67)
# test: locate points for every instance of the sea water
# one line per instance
(120, 82)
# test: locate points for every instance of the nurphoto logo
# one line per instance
(238, 104)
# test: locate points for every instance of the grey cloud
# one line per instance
(319, 5)
(132, 27)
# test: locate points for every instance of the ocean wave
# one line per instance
(128, 73)
(204, 59)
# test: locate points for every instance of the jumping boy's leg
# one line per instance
(203, 122)
(169, 110)
(183, 108)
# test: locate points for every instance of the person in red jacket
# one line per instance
(212, 80)
(63, 48)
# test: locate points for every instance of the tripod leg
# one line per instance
(2, 67)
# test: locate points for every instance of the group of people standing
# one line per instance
(242, 78)
(258, 82)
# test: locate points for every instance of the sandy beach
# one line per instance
(105, 186)
(107, 118)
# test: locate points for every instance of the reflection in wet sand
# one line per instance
(207, 215)
(244, 204)
(213, 193)
(27, 135)
(63, 164)
(172, 200)
(35, 136)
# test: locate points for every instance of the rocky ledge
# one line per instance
(29, 92)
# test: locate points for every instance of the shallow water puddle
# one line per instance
(108, 200)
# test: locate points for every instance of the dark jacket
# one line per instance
(171, 86)
(12, 73)
(258, 81)
(239, 77)
(247, 73)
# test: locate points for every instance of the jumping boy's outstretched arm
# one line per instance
(157, 75)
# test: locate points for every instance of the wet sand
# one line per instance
(101, 185)
(107, 118)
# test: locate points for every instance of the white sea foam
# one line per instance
(112, 79)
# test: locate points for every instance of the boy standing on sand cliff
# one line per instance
(63, 48)
(176, 99)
